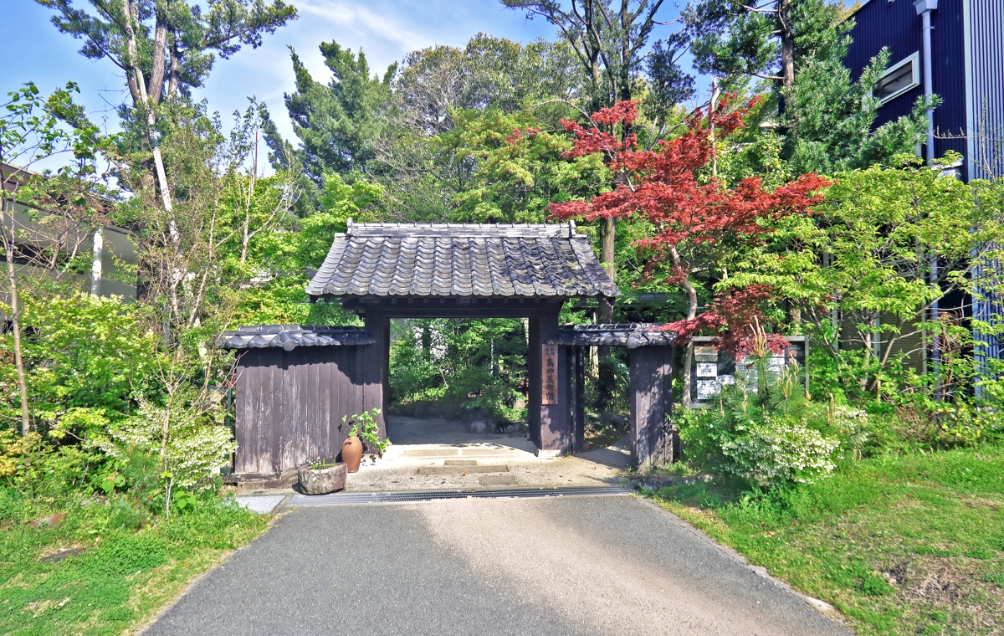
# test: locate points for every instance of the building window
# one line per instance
(898, 79)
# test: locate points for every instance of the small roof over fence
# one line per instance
(289, 337)
(461, 260)
(631, 335)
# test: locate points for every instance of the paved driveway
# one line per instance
(574, 565)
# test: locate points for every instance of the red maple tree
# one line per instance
(669, 186)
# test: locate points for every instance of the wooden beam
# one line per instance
(554, 427)
(577, 397)
(442, 307)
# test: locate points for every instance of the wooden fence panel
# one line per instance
(290, 406)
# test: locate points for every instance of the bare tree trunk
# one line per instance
(98, 254)
(15, 316)
(607, 236)
(172, 81)
(794, 318)
(136, 78)
(159, 59)
(246, 238)
(691, 314)
(715, 92)
(787, 45)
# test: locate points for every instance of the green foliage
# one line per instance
(189, 440)
(194, 34)
(611, 45)
(365, 427)
(762, 430)
(734, 40)
(129, 565)
(488, 73)
(861, 270)
(518, 170)
(831, 119)
(279, 255)
(873, 535)
(462, 364)
(338, 123)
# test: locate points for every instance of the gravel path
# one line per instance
(576, 565)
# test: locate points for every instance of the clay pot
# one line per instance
(352, 453)
(321, 481)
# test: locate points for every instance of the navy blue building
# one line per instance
(953, 49)
(966, 40)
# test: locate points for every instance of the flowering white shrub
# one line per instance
(778, 451)
(191, 447)
(762, 427)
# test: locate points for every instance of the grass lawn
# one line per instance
(128, 568)
(908, 544)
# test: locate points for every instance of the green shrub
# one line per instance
(461, 364)
(779, 451)
(763, 429)
(364, 426)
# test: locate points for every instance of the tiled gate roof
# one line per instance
(452, 260)
(291, 336)
(631, 335)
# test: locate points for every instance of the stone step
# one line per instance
(494, 452)
(431, 452)
(457, 470)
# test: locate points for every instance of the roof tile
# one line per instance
(449, 260)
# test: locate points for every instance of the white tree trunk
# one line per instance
(15, 315)
(99, 246)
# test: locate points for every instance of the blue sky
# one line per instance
(385, 29)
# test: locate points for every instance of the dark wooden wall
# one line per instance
(651, 402)
(290, 406)
(550, 425)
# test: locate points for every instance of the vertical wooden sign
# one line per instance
(549, 366)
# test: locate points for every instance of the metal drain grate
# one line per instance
(408, 497)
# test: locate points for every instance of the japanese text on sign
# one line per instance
(549, 365)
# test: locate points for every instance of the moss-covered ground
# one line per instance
(124, 567)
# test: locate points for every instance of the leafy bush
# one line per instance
(465, 365)
(364, 426)
(779, 451)
(762, 429)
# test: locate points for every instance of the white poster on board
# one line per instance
(707, 369)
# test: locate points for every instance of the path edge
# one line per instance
(279, 511)
(819, 605)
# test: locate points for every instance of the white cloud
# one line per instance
(363, 21)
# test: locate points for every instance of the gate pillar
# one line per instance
(549, 391)
(651, 404)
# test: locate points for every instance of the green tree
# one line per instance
(461, 364)
(825, 119)
(488, 73)
(830, 119)
(769, 40)
(861, 270)
(338, 123)
(168, 44)
(420, 161)
(60, 210)
(275, 272)
(610, 42)
(518, 170)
